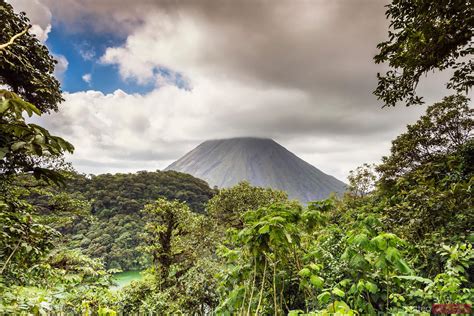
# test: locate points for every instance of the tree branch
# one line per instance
(3, 46)
(10, 256)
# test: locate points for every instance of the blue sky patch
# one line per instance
(83, 51)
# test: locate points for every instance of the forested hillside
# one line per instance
(112, 229)
(127, 193)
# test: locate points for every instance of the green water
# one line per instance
(124, 278)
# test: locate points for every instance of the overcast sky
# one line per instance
(146, 81)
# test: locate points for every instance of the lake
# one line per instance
(124, 278)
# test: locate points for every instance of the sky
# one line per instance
(145, 81)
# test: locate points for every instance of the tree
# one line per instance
(230, 204)
(25, 64)
(425, 35)
(362, 180)
(444, 129)
(184, 260)
(26, 68)
(22, 146)
(167, 236)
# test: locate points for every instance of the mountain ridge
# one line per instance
(260, 161)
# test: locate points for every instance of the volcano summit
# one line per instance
(260, 161)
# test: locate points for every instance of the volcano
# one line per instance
(260, 161)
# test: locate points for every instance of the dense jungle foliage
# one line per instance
(397, 242)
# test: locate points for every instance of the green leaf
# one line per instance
(3, 152)
(338, 292)
(324, 297)
(18, 145)
(360, 240)
(315, 267)
(264, 229)
(305, 272)
(392, 254)
(340, 308)
(371, 287)
(413, 278)
(316, 281)
(4, 105)
(402, 266)
(380, 242)
(358, 261)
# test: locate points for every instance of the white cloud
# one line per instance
(39, 15)
(61, 65)
(86, 51)
(87, 78)
(87, 54)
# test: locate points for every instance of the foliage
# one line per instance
(22, 145)
(262, 261)
(181, 277)
(230, 204)
(24, 240)
(393, 245)
(402, 245)
(128, 193)
(182, 280)
(376, 250)
(64, 281)
(448, 286)
(36, 276)
(362, 180)
(113, 232)
(426, 182)
(425, 36)
(432, 200)
(444, 129)
(168, 237)
(26, 66)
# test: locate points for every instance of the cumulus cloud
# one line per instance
(300, 72)
(39, 15)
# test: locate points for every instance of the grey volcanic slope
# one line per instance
(262, 162)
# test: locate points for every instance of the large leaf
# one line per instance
(413, 278)
(402, 266)
(317, 281)
(338, 292)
